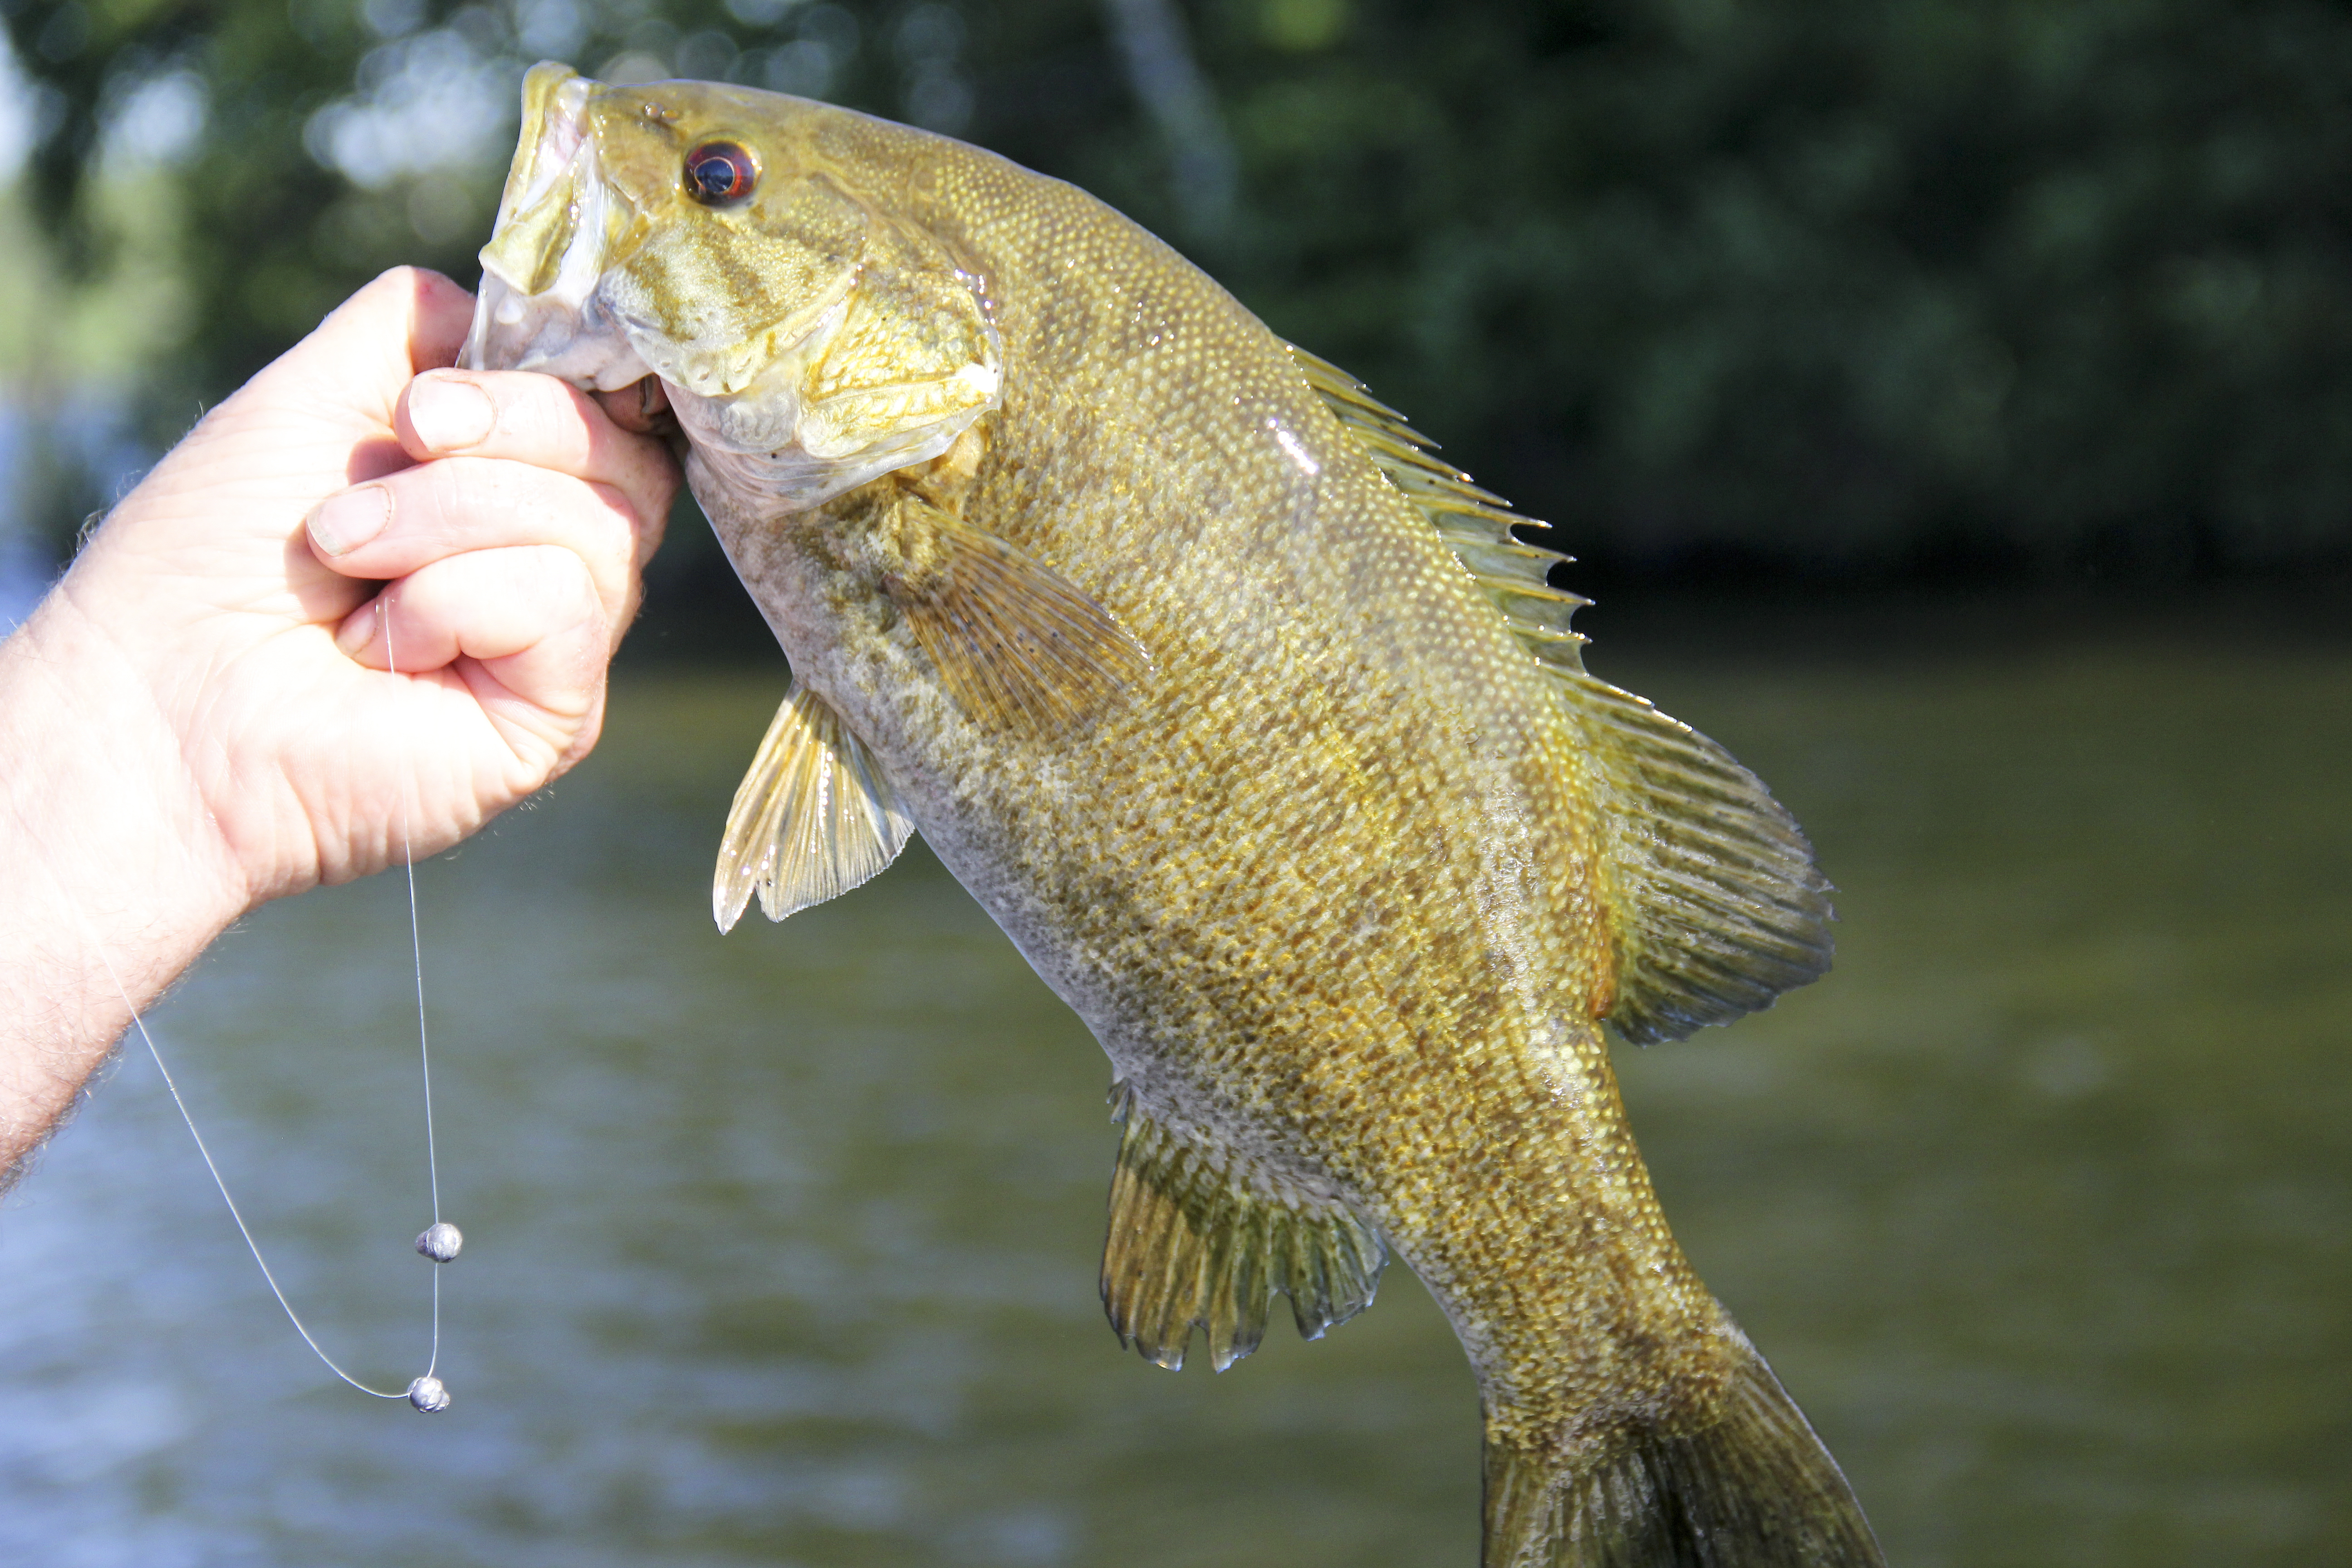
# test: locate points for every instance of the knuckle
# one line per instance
(542, 417)
(558, 576)
(448, 491)
(403, 279)
(614, 501)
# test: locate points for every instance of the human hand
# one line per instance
(216, 707)
(232, 594)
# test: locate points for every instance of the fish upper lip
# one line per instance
(555, 161)
(563, 127)
(546, 257)
(554, 217)
(552, 157)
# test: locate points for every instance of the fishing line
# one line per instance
(440, 1240)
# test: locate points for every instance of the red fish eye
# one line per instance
(718, 172)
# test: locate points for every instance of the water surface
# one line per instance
(781, 1246)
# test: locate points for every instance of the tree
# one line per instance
(1870, 287)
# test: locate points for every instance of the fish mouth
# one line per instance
(563, 225)
(580, 281)
(550, 249)
(554, 101)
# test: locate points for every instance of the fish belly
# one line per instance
(1323, 885)
(1321, 897)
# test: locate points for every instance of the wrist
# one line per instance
(112, 878)
(92, 762)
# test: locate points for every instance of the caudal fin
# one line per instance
(1756, 1489)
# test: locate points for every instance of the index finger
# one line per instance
(535, 420)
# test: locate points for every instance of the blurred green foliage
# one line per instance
(1876, 287)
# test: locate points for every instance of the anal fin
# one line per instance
(812, 818)
(1200, 1237)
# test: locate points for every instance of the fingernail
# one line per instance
(449, 415)
(343, 523)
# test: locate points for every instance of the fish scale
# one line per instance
(1255, 728)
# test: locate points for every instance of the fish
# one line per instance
(1261, 732)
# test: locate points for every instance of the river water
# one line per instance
(781, 1246)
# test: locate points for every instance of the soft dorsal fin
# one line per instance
(1200, 1238)
(814, 817)
(1715, 902)
(1717, 906)
(1018, 645)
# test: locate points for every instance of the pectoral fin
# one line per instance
(1018, 645)
(812, 818)
(1199, 1239)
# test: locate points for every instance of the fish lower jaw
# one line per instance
(512, 331)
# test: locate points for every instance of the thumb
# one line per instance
(370, 346)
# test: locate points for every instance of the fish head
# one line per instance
(756, 253)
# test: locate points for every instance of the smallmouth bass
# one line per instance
(1258, 730)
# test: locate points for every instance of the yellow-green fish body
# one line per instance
(1253, 725)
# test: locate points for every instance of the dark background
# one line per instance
(1944, 404)
(1842, 295)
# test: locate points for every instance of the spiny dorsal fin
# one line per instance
(1018, 644)
(1200, 1237)
(1715, 903)
(1475, 524)
(814, 817)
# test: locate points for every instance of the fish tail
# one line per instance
(1754, 1489)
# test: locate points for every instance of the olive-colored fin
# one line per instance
(1756, 1490)
(1475, 524)
(1716, 904)
(814, 817)
(1018, 645)
(1202, 1237)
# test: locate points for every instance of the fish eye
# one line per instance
(718, 173)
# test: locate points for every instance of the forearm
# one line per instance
(111, 877)
(204, 714)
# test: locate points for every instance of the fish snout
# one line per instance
(552, 247)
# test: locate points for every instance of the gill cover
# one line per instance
(809, 342)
